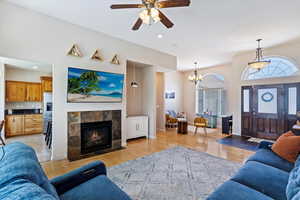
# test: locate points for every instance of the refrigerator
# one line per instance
(47, 109)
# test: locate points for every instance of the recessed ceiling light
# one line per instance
(160, 36)
(35, 67)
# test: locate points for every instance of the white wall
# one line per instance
(149, 98)
(160, 101)
(174, 83)
(14, 74)
(27, 35)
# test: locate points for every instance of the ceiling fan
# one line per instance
(151, 12)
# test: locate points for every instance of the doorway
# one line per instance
(26, 104)
(269, 110)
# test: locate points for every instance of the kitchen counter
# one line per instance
(23, 112)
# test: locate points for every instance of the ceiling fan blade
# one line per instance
(173, 3)
(137, 25)
(122, 6)
(165, 20)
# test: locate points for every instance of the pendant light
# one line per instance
(133, 83)
(259, 63)
(195, 77)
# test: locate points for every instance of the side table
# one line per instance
(182, 127)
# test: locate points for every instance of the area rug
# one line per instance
(177, 173)
(239, 142)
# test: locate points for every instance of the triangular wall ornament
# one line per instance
(75, 51)
(115, 60)
(97, 56)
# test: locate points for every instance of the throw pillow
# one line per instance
(287, 146)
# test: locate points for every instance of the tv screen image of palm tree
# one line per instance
(94, 86)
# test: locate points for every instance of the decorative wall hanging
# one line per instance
(267, 97)
(75, 51)
(170, 95)
(97, 56)
(115, 60)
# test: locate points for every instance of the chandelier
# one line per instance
(150, 15)
(195, 77)
(259, 63)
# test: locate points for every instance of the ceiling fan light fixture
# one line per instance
(150, 15)
(155, 15)
(144, 15)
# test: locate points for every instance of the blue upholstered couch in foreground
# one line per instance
(21, 177)
(264, 176)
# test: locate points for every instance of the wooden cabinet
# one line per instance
(33, 124)
(23, 124)
(33, 92)
(137, 126)
(46, 84)
(17, 91)
(14, 125)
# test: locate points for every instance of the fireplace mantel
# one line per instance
(76, 119)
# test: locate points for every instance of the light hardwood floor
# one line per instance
(142, 147)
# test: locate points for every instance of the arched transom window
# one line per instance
(279, 67)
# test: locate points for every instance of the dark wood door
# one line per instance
(269, 110)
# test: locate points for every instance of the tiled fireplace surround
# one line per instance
(74, 131)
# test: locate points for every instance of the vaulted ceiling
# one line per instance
(209, 31)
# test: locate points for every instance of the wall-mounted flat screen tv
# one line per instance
(88, 86)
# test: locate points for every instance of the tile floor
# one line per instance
(37, 142)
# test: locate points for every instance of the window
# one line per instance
(279, 67)
(210, 101)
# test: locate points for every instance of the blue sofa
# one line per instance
(264, 176)
(22, 178)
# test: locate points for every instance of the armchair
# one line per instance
(171, 122)
(200, 122)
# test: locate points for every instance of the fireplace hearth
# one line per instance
(96, 136)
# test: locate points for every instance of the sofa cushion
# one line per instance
(23, 190)
(263, 178)
(293, 187)
(98, 188)
(287, 146)
(18, 161)
(268, 157)
(232, 190)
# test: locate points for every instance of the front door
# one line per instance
(269, 110)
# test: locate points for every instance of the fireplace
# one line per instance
(96, 136)
(92, 133)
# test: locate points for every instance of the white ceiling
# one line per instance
(209, 31)
(26, 65)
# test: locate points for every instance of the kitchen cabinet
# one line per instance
(33, 124)
(33, 92)
(17, 91)
(137, 126)
(46, 83)
(16, 125)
